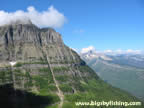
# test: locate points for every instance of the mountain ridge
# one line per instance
(47, 68)
(125, 71)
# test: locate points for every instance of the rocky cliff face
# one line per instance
(26, 41)
(46, 67)
(44, 64)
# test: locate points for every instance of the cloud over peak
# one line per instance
(49, 18)
(111, 52)
(85, 50)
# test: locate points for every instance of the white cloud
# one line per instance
(134, 51)
(108, 51)
(111, 52)
(49, 18)
(85, 50)
(119, 51)
(130, 51)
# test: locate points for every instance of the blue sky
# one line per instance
(104, 24)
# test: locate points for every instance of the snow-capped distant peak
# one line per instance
(94, 55)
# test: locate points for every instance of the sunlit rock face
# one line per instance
(27, 49)
(22, 41)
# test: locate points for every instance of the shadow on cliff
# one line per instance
(10, 98)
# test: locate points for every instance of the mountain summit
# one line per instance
(45, 72)
(24, 41)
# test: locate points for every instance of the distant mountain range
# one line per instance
(125, 71)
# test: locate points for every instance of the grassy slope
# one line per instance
(87, 89)
(90, 89)
(125, 78)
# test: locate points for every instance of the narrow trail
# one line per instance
(59, 93)
(13, 77)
